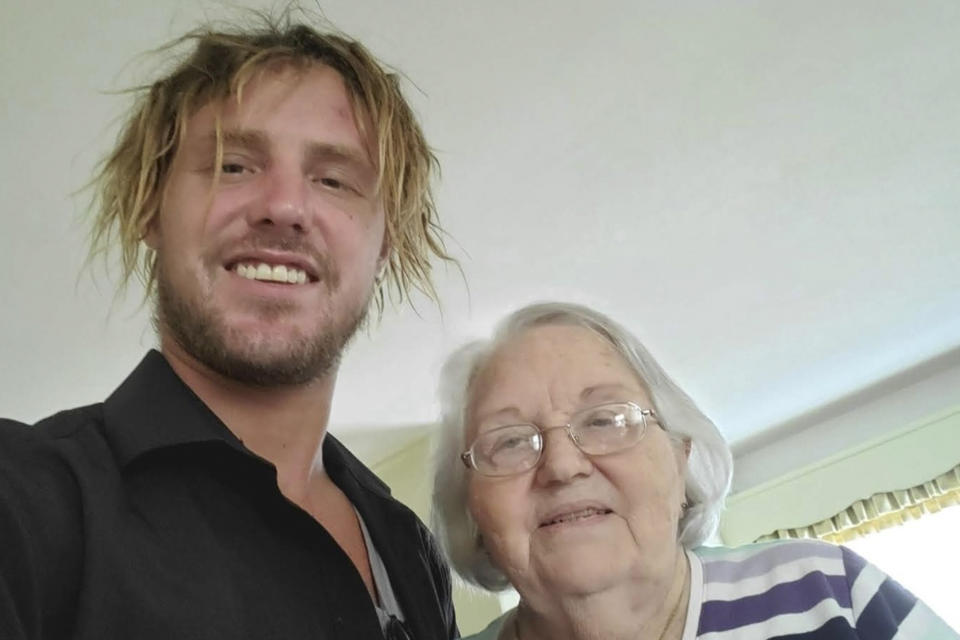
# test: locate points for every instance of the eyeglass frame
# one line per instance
(468, 460)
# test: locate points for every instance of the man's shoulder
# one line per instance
(39, 470)
(41, 506)
(57, 428)
(51, 448)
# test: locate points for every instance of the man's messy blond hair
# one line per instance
(128, 187)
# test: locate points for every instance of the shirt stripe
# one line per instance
(789, 623)
(852, 564)
(790, 597)
(882, 616)
(787, 572)
(761, 561)
(865, 586)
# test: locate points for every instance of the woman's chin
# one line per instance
(582, 572)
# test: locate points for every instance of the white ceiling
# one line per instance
(768, 193)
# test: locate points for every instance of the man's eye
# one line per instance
(232, 168)
(334, 181)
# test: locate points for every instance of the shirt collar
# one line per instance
(154, 409)
(346, 470)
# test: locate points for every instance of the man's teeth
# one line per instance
(276, 273)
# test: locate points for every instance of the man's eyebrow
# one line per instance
(326, 152)
(248, 138)
(256, 139)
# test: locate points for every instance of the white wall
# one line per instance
(882, 409)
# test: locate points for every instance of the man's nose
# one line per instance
(284, 202)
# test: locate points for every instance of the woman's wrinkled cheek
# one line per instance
(504, 537)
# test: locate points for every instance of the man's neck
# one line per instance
(283, 425)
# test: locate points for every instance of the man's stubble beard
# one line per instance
(203, 333)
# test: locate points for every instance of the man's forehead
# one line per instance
(250, 117)
(269, 86)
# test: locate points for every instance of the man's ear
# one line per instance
(152, 237)
(383, 257)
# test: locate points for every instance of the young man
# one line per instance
(266, 190)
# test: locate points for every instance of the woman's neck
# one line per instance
(643, 609)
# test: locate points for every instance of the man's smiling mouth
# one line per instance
(270, 273)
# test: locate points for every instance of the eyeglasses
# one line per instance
(515, 448)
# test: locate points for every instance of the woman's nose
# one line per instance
(561, 461)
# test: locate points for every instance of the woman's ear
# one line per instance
(683, 446)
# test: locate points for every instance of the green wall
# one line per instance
(407, 472)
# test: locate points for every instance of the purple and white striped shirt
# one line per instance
(792, 590)
(801, 590)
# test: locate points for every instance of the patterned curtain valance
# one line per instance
(881, 511)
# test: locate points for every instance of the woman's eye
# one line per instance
(604, 420)
(510, 443)
(600, 422)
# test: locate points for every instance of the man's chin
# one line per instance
(267, 350)
(271, 363)
(254, 356)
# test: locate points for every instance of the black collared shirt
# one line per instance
(144, 517)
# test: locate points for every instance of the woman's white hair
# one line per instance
(709, 468)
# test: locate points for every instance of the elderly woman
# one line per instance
(573, 468)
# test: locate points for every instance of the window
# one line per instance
(924, 556)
